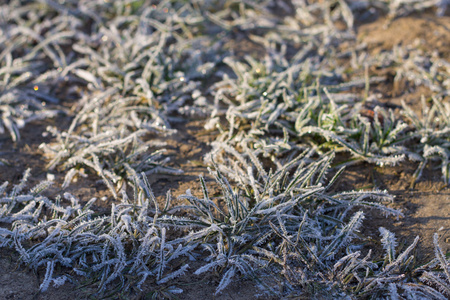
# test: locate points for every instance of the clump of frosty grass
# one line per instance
(286, 223)
(282, 113)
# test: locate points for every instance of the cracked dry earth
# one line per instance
(426, 207)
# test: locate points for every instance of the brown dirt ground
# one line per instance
(426, 207)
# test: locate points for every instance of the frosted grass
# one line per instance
(132, 69)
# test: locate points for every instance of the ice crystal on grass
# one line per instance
(32, 53)
(352, 275)
(284, 105)
(289, 95)
(102, 248)
(404, 7)
(433, 129)
(105, 142)
(282, 114)
(268, 208)
(17, 108)
(135, 72)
